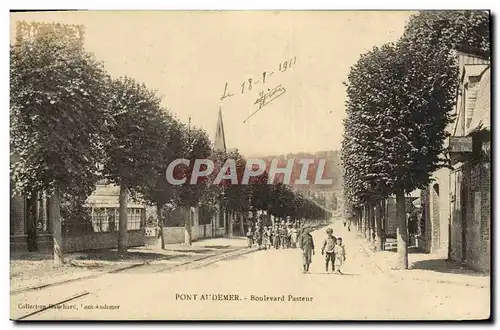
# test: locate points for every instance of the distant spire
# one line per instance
(220, 138)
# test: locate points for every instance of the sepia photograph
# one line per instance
(250, 165)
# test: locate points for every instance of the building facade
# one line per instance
(470, 177)
(456, 206)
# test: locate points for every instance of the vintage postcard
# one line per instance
(250, 165)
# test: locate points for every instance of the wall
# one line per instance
(456, 216)
(175, 235)
(439, 213)
(96, 241)
(18, 243)
(477, 204)
(17, 212)
(478, 218)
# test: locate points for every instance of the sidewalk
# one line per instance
(35, 270)
(422, 267)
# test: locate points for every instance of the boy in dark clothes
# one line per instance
(306, 243)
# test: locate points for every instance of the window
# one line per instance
(134, 219)
(106, 219)
(98, 218)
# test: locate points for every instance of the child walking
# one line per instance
(339, 255)
(294, 236)
(250, 234)
(306, 243)
(328, 249)
(266, 238)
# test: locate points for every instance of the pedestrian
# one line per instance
(294, 236)
(283, 235)
(289, 235)
(328, 249)
(258, 236)
(306, 244)
(266, 238)
(275, 237)
(339, 255)
(250, 236)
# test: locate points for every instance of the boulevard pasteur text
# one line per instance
(239, 297)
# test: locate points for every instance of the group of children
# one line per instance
(283, 235)
(286, 235)
(332, 249)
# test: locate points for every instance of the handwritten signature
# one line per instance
(266, 98)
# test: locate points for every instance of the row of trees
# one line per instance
(400, 99)
(72, 125)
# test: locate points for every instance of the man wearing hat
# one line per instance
(306, 244)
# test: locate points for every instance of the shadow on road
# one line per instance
(333, 275)
(445, 266)
(411, 250)
(131, 255)
(197, 251)
(31, 256)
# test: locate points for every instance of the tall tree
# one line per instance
(133, 151)
(157, 190)
(406, 92)
(58, 121)
(196, 145)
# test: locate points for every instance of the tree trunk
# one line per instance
(365, 221)
(55, 214)
(358, 219)
(384, 222)
(372, 223)
(160, 226)
(369, 215)
(402, 232)
(242, 225)
(187, 227)
(230, 224)
(378, 225)
(123, 219)
(31, 221)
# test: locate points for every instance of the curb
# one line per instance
(88, 277)
(228, 255)
(175, 267)
(216, 258)
(223, 256)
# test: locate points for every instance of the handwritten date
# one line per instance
(248, 84)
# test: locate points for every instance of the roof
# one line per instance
(481, 113)
(220, 138)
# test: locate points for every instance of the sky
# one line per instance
(188, 57)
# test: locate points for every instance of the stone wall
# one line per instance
(173, 235)
(478, 218)
(17, 212)
(96, 241)
(18, 243)
(475, 181)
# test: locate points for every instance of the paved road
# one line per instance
(364, 292)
